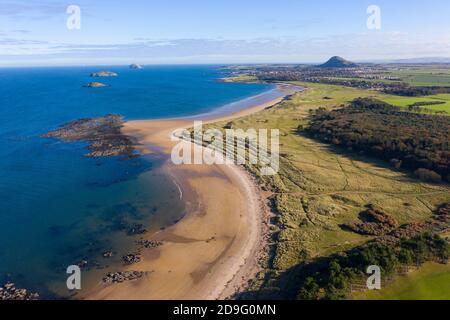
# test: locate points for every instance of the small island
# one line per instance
(104, 74)
(94, 85)
(135, 66)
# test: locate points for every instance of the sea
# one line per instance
(60, 208)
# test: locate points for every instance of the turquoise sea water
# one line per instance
(58, 207)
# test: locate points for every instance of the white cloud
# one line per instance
(365, 46)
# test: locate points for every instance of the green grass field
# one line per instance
(242, 78)
(406, 101)
(430, 282)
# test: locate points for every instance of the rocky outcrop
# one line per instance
(135, 66)
(94, 85)
(119, 277)
(9, 292)
(136, 229)
(103, 135)
(131, 258)
(149, 244)
(108, 254)
(104, 74)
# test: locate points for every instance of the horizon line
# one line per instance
(426, 60)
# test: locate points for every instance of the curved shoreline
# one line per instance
(214, 250)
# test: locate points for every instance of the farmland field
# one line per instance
(424, 75)
(407, 101)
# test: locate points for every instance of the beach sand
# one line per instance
(214, 250)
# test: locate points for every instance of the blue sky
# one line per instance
(219, 31)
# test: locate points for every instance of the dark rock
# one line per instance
(9, 292)
(148, 244)
(83, 263)
(103, 134)
(136, 229)
(107, 254)
(131, 258)
(118, 277)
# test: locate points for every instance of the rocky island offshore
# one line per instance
(94, 85)
(104, 74)
(103, 135)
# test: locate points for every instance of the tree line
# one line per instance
(419, 143)
(332, 277)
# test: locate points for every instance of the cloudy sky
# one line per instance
(219, 31)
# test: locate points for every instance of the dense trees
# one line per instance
(332, 279)
(409, 91)
(415, 142)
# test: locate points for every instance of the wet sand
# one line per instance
(214, 250)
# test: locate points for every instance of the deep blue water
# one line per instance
(57, 206)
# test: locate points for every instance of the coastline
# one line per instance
(215, 249)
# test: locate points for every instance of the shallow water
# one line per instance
(58, 207)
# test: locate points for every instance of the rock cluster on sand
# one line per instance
(131, 258)
(104, 74)
(118, 277)
(10, 292)
(94, 85)
(148, 244)
(103, 134)
(135, 66)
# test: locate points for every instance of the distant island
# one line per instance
(135, 66)
(337, 63)
(104, 74)
(94, 85)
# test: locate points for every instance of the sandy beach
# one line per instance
(214, 250)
